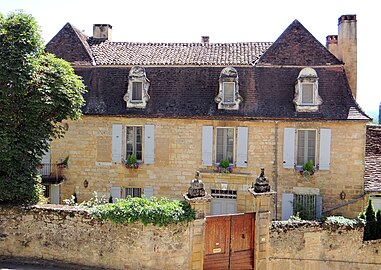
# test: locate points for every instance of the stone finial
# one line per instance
(196, 188)
(261, 183)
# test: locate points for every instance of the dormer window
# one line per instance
(307, 97)
(228, 89)
(228, 97)
(137, 90)
(137, 94)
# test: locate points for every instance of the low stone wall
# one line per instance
(71, 235)
(312, 245)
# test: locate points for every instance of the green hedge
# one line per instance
(148, 211)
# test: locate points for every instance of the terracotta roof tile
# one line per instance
(225, 54)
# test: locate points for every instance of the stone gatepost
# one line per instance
(199, 201)
(262, 204)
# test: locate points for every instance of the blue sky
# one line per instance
(223, 21)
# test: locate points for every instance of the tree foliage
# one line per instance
(37, 92)
(370, 229)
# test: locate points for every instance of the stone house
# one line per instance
(185, 107)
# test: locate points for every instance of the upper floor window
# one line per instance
(306, 146)
(228, 97)
(134, 142)
(137, 90)
(307, 97)
(225, 144)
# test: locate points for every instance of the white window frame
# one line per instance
(134, 142)
(132, 91)
(234, 144)
(137, 190)
(302, 89)
(297, 145)
(223, 92)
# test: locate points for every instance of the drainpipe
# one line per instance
(276, 170)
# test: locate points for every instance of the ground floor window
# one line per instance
(305, 206)
(133, 192)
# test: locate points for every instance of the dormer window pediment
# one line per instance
(307, 97)
(137, 90)
(228, 97)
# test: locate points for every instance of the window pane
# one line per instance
(134, 142)
(225, 144)
(307, 93)
(305, 206)
(228, 92)
(133, 192)
(306, 146)
(137, 91)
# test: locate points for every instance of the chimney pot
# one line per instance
(102, 31)
(205, 39)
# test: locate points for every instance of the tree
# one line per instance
(370, 229)
(37, 92)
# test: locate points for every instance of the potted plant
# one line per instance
(224, 166)
(131, 162)
(308, 169)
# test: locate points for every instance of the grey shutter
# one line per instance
(117, 143)
(242, 139)
(207, 146)
(289, 148)
(149, 144)
(325, 149)
(148, 192)
(287, 205)
(319, 207)
(116, 193)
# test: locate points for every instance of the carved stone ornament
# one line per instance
(228, 75)
(261, 183)
(137, 75)
(196, 188)
(307, 76)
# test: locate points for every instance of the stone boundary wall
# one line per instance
(69, 234)
(313, 245)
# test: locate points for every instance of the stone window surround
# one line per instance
(137, 74)
(228, 74)
(307, 76)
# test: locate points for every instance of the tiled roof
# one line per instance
(224, 54)
(373, 159)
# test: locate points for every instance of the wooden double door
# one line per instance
(229, 242)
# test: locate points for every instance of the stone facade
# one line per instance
(178, 143)
(73, 236)
(311, 246)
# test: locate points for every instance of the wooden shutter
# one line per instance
(325, 149)
(319, 207)
(207, 145)
(149, 144)
(148, 192)
(242, 138)
(287, 205)
(116, 193)
(289, 148)
(117, 143)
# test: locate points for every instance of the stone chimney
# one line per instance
(345, 48)
(204, 39)
(102, 31)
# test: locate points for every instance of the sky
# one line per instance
(221, 20)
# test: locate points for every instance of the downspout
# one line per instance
(276, 170)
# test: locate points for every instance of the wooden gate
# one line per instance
(229, 242)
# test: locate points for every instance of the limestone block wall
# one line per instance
(346, 171)
(311, 246)
(178, 154)
(74, 236)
